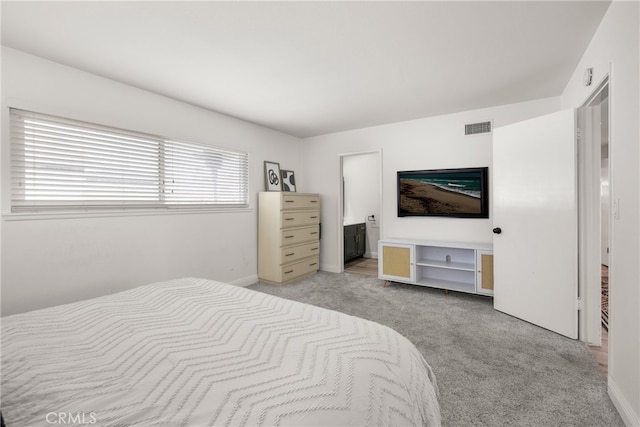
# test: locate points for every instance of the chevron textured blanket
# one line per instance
(194, 352)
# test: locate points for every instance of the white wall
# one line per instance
(53, 261)
(616, 47)
(431, 143)
(361, 173)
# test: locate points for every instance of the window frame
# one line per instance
(20, 206)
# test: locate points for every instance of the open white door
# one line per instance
(536, 221)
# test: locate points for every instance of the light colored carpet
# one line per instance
(492, 369)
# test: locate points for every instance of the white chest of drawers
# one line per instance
(288, 236)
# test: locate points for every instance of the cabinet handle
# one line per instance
(287, 272)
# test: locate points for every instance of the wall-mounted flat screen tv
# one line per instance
(458, 193)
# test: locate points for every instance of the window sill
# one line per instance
(33, 216)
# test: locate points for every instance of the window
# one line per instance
(61, 164)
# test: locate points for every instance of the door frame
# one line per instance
(589, 288)
(340, 213)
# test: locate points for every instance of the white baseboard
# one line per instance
(630, 418)
(245, 281)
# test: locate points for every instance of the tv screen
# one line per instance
(459, 193)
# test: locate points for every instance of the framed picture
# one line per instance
(288, 181)
(272, 176)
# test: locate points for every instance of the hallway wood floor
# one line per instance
(364, 266)
(601, 354)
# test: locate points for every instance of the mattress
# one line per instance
(194, 352)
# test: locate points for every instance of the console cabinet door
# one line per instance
(397, 262)
(484, 265)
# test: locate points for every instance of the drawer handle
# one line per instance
(288, 237)
(314, 232)
(314, 249)
(314, 217)
(289, 219)
(288, 201)
(312, 264)
(287, 272)
(292, 253)
(314, 201)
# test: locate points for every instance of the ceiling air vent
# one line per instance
(476, 128)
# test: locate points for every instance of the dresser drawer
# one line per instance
(300, 201)
(296, 219)
(298, 269)
(294, 253)
(299, 235)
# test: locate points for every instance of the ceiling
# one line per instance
(312, 68)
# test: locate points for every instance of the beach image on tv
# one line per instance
(441, 193)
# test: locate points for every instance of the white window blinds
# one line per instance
(198, 174)
(62, 164)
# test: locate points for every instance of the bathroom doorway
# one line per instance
(360, 210)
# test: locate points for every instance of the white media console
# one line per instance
(463, 267)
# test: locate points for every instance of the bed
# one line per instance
(194, 352)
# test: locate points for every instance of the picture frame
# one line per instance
(288, 180)
(272, 177)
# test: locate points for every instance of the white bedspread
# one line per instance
(195, 352)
